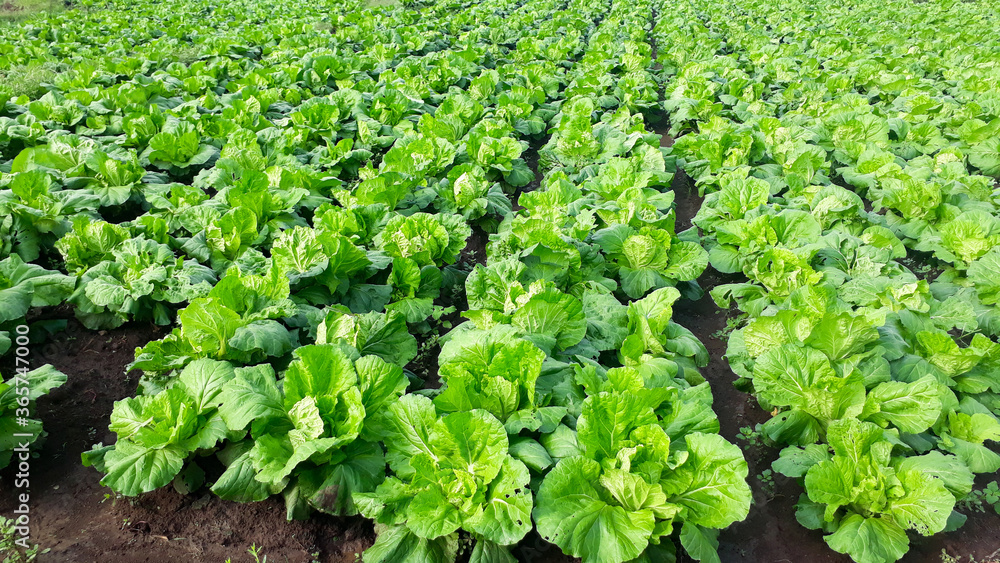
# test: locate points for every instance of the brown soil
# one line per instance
(475, 249)
(425, 365)
(687, 202)
(10, 7)
(530, 157)
(923, 265)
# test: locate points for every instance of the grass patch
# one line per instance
(25, 80)
(187, 54)
(17, 10)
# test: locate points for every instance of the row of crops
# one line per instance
(829, 157)
(296, 189)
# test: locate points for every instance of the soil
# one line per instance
(686, 201)
(475, 249)
(530, 157)
(922, 264)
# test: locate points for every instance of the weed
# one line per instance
(10, 550)
(979, 500)
(991, 558)
(254, 552)
(750, 436)
(19, 10)
(732, 323)
(766, 479)
(26, 80)
(112, 496)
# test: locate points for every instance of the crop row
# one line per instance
(295, 191)
(830, 162)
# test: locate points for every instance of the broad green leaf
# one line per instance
(869, 540)
(702, 544)
(571, 513)
(397, 544)
(711, 485)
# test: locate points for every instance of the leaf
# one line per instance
(531, 453)
(318, 371)
(925, 506)
(381, 334)
(606, 320)
(477, 440)
(869, 540)
(267, 336)
(702, 544)
(607, 421)
(133, 469)
(842, 336)
(397, 544)
(687, 261)
(490, 552)
(412, 419)
(570, 513)
(361, 471)
(555, 315)
(804, 378)
(910, 407)
(208, 325)
(252, 394)
(42, 380)
(204, 381)
(298, 252)
(381, 383)
(238, 482)
(27, 285)
(796, 461)
(955, 475)
(711, 484)
(984, 273)
(506, 515)
(986, 156)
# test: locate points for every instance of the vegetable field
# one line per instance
(500, 281)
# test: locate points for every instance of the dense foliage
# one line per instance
(830, 164)
(300, 190)
(294, 189)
